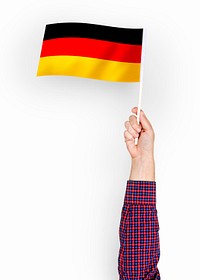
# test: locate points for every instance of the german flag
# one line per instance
(91, 51)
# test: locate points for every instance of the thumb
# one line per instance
(146, 125)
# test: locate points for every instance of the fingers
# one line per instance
(127, 135)
(146, 125)
(132, 128)
(134, 124)
(130, 141)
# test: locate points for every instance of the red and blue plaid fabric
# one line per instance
(139, 251)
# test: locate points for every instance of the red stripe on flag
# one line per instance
(87, 47)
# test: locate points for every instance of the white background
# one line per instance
(63, 159)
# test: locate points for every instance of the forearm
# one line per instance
(143, 169)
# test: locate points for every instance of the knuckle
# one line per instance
(133, 131)
(131, 117)
(134, 110)
(125, 132)
(135, 126)
(136, 133)
(126, 123)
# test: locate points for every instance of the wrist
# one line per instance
(143, 168)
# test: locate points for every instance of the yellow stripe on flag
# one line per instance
(88, 67)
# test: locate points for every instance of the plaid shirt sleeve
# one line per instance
(139, 251)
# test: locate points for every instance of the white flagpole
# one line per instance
(141, 80)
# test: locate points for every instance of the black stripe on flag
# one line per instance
(94, 31)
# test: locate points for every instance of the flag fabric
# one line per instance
(91, 51)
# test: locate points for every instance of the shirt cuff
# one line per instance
(140, 192)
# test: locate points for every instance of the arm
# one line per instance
(139, 228)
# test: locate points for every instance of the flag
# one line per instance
(91, 51)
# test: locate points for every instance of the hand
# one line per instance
(144, 132)
(142, 154)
